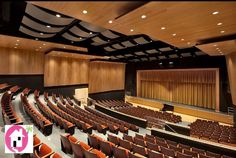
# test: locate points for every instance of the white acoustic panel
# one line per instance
(152, 51)
(135, 60)
(37, 26)
(77, 31)
(109, 34)
(113, 57)
(173, 56)
(152, 58)
(128, 44)
(165, 49)
(46, 17)
(120, 56)
(72, 38)
(91, 27)
(99, 40)
(162, 57)
(109, 49)
(141, 40)
(144, 59)
(186, 54)
(139, 53)
(118, 46)
(34, 34)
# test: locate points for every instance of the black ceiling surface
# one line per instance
(26, 20)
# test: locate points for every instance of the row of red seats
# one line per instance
(113, 120)
(71, 145)
(111, 103)
(42, 150)
(43, 124)
(8, 113)
(52, 116)
(4, 86)
(213, 131)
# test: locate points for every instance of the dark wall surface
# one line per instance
(184, 63)
(117, 94)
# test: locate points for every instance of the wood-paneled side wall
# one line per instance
(60, 71)
(106, 76)
(199, 87)
(231, 66)
(20, 62)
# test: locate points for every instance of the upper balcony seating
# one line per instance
(213, 131)
(4, 86)
(8, 112)
(43, 124)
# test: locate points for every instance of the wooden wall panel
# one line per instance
(106, 76)
(65, 71)
(231, 66)
(197, 87)
(20, 62)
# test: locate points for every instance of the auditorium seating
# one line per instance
(153, 117)
(42, 150)
(213, 131)
(79, 149)
(43, 124)
(4, 86)
(14, 89)
(54, 117)
(8, 113)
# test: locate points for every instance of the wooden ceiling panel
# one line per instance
(219, 48)
(34, 45)
(98, 13)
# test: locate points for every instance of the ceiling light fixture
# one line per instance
(110, 21)
(85, 11)
(182, 39)
(219, 24)
(222, 31)
(16, 44)
(15, 47)
(36, 39)
(163, 28)
(44, 44)
(58, 15)
(17, 40)
(41, 33)
(90, 33)
(48, 26)
(160, 63)
(188, 43)
(64, 47)
(81, 38)
(143, 16)
(214, 13)
(171, 62)
(214, 45)
(174, 34)
(72, 41)
(131, 30)
(40, 47)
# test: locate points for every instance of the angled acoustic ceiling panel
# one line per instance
(186, 54)
(139, 53)
(77, 31)
(165, 49)
(99, 40)
(128, 44)
(34, 34)
(46, 17)
(173, 56)
(141, 40)
(91, 27)
(109, 49)
(109, 34)
(152, 51)
(118, 46)
(72, 38)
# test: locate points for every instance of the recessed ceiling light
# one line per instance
(131, 30)
(90, 33)
(64, 47)
(15, 47)
(85, 11)
(217, 48)
(110, 21)
(150, 40)
(214, 13)
(108, 40)
(182, 39)
(72, 42)
(160, 63)
(36, 39)
(174, 34)
(163, 28)
(80, 38)
(44, 44)
(214, 45)
(58, 15)
(188, 43)
(40, 47)
(48, 26)
(41, 33)
(143, 16)
(171, 62)
(222, 31)
(219, 24)
(17, 40)
(16, 44)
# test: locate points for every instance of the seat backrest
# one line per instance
(56, 155)
(199, 151)
(106, 148)
(125, 144)
(139, 136)
(208, 153)
(181, 155)
(131, 155)
(152, 146)
(113, 139)
(44, 150)
(139, 149)
(77, 150)
(153, 154)
(120, 153)
(192, 153)
(204, 156)
(168, 152)
(72, 139)
(139, 141)
(93, 141)
(89, 154)
(36, 141)
(127, 137)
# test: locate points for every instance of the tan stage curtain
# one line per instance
(192, 87)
